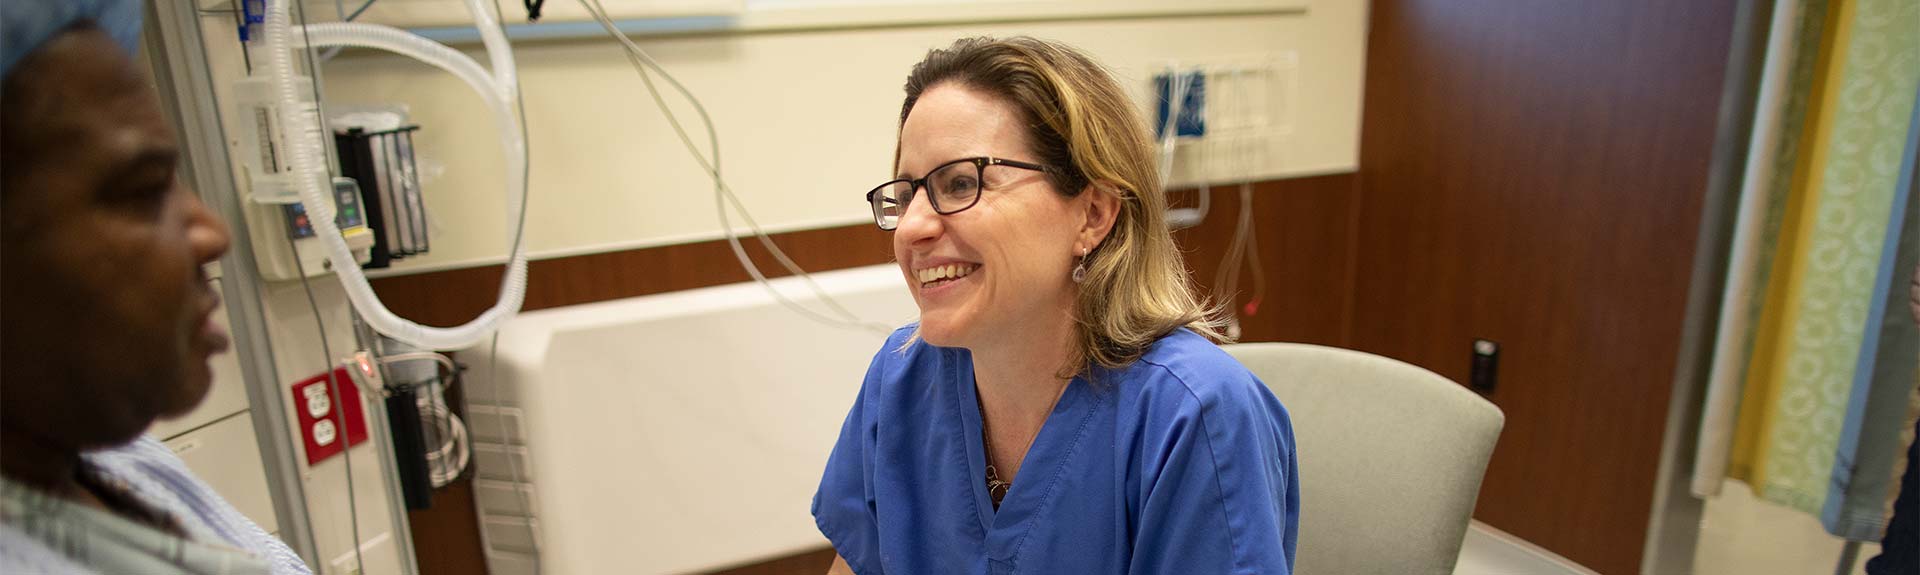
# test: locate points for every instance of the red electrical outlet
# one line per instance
(319, 424)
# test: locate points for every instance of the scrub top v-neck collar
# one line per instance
(1040, 470)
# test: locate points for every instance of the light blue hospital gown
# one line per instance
(1181, 463)
(42, 534)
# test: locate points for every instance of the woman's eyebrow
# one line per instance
(903, 175)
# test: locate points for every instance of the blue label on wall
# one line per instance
(1192, 121)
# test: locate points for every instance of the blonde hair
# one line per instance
(1082, 123)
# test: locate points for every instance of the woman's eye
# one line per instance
(962, 187)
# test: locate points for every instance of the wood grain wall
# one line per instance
(1533, 173)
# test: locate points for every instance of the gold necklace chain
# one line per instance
(997, 488)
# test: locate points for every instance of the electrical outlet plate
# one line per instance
(315, 408)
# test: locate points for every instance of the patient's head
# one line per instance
(994, 246)
(105, 304)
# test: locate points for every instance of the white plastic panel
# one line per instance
(500, 497)
(682, 432)
(485, 423)
(510, 563)
(227, 457)
(490, 462)
(511, 533)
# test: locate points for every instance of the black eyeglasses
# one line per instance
(953, 187)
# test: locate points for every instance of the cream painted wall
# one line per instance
(806, 121)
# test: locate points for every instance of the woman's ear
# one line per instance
(1100, 206)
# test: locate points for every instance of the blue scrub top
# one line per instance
(1182, 462)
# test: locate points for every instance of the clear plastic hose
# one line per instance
(305, 157)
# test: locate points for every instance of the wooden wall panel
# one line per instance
(456, 296)
(1304, 227)
(809, 563)
(1533, 173)
(446, 537)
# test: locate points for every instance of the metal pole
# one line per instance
(1673, 529)
(1849, 555)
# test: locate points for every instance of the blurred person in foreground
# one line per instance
(107, 312)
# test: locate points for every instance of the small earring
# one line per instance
(1080, 270)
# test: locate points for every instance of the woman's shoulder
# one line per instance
(1194, 376)
(901, 351)
(906, 363)
(902, 339)
(1196, 363)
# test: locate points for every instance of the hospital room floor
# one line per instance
(1740, 535)
(1743, 535)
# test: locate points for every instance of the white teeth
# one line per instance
(943, 272)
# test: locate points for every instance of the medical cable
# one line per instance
(1178, 84)
(513, 463)
(1244, 160)
(449, 457)
(493, 352)
(333, 392)
(641, 60)
(1244, 248)
(419, 355)
(1227, 277)
(326, 349)
(723, 193)
(340, 9)
(1253, 254)
(1176, 94)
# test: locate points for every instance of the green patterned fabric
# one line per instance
(1877, 73)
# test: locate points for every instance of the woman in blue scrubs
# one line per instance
(1060, 407)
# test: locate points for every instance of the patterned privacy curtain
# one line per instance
(1814, 378)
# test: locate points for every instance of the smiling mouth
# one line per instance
(937, 276)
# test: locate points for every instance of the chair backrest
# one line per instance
(1390, 455)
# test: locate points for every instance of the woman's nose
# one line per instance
(919, 222)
